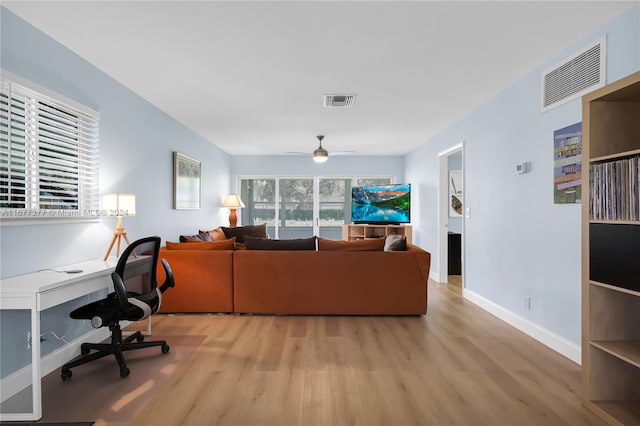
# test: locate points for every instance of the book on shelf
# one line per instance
(614, 188)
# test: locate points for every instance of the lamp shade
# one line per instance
(119, 204)
(233, 201)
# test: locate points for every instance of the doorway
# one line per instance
(451, 214)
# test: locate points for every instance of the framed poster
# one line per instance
(455, 193)
(186, 182)
(567, 164)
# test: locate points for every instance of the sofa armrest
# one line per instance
(423, 258)
(203, 278)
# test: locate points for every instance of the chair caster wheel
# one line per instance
(84, 350)
(165, 348)
(124, 372)
(65, 374)
(139, 338)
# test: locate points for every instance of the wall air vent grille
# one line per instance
(339, 101)
(577, 75)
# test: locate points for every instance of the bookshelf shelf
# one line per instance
(628, 351)
(362, 231)
(615, 156)
(617, 222)
(611, 251)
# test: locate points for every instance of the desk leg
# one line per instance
(36, 379)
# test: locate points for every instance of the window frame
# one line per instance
(316, 193)
(62, 141)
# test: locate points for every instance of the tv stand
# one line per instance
(362, 231)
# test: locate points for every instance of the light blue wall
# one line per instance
(136, 145)
(299, 165)
(518, 242)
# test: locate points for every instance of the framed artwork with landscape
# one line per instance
(455, 193)
(186, 182)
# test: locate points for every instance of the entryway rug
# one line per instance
(96, 392)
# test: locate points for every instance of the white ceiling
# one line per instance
(250, 76)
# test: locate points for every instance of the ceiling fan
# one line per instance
(320, 154)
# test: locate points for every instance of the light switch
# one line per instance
(522, 168)
(468, 211)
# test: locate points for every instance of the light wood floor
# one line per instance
(458, 365)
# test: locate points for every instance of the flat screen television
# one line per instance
(381, 204)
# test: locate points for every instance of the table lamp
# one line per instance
(234, 202)
(118, 205)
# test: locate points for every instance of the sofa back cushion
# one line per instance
(202, 236)
(376, 244)
(203, 245)
(255, 243)
(241, 231)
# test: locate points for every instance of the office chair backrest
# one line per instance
(137, 270)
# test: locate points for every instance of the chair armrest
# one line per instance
(120, 289)
(169, 281)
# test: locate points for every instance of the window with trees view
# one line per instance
(300, 207)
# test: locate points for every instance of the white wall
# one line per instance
(136, 145)
(518, 242)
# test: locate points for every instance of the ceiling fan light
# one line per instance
(320, 155)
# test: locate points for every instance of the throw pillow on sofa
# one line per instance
(215, 234)
(241, 231)
(202, 236)
(376, 244)
(395, 243)
(203, 245)
(255, 243)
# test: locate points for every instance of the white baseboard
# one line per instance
(544, 336)
(21, 379)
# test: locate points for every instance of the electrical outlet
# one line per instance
(527, 303)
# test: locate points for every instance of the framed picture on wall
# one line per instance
(455, 193)
(567, 165)
(186, 182)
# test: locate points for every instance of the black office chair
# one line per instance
(136, 297)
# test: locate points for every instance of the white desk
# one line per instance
(42, 290)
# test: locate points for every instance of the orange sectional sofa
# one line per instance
(332, 282)
(204, 280)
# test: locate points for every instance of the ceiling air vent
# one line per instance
(339, 101)
(577, 75)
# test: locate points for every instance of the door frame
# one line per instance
(443, 211)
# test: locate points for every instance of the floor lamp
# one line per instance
(118, 205)
(233, 202)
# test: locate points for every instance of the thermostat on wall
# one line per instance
(522, 167)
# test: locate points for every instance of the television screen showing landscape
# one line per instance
(381, 203)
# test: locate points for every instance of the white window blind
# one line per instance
(48, 155)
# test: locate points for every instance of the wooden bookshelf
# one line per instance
(362, 231)
(610, 255)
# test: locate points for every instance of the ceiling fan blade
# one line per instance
(297, 153)
(341, 153)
